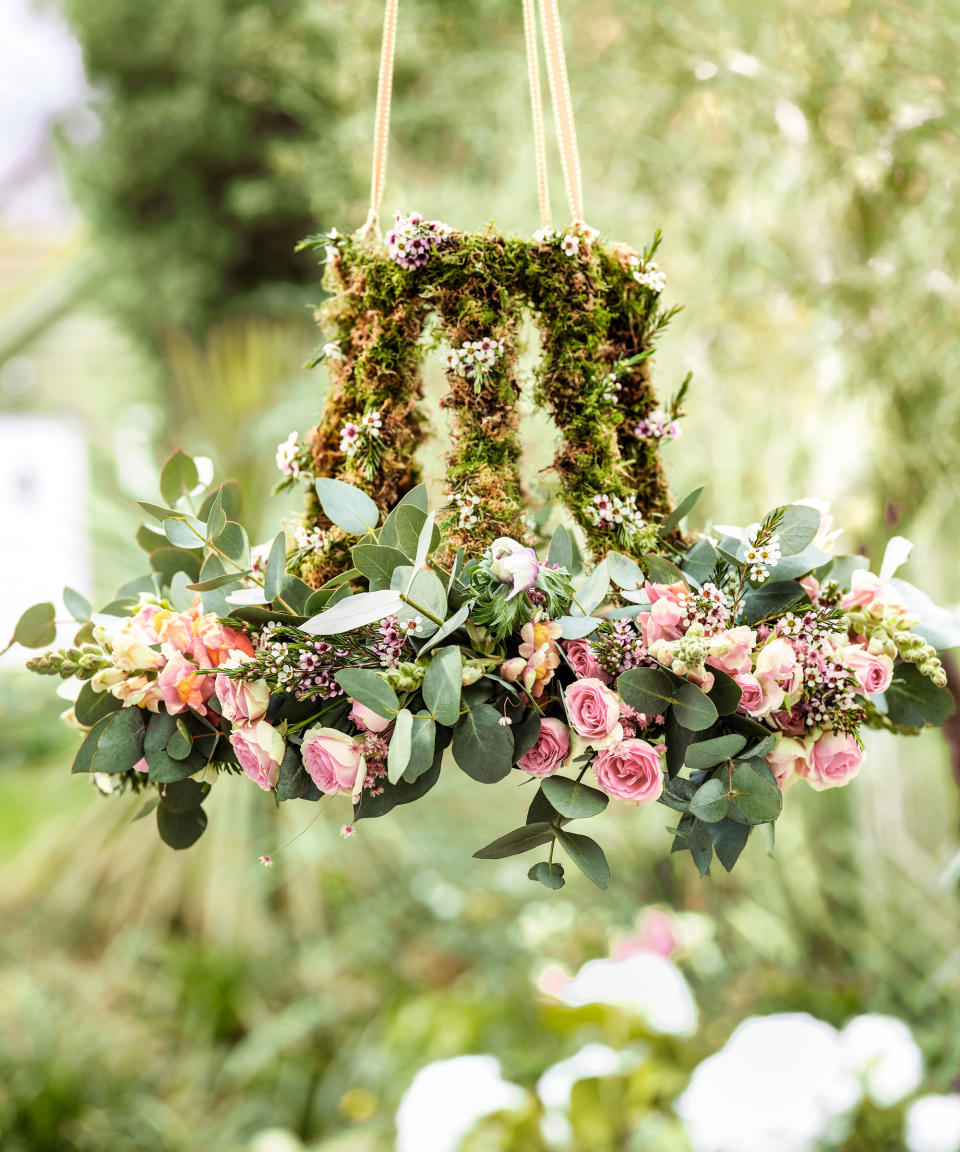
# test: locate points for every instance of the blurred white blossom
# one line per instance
(933, 1124)
(779, 1083)
(448, 1098)
(647, 984)
(882, 1053)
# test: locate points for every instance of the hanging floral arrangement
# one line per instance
(381, 642)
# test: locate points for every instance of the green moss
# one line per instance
(592, 316)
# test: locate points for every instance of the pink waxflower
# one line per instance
(181, 686)
(333, 759)
(514, 564)
(539, 657)
(584, 663)
(550, 751)
(729, 650)
(260, 749)
(630, 770)
(242, 701)
(789, 759)
(834, 760)
(594, 711)
(873, 673)
(870, 593)
(366, 719)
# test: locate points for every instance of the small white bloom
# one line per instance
(570, 245)
(933, 1124)
(882, 1052)
(287, 453)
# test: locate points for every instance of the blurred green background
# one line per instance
(802, 159)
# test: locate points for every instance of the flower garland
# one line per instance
(706, 675)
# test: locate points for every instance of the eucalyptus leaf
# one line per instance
(772, 599)
(624, 572)
(276, 568)
(753, 799)
(518, 841)
(692, 707)
(797, 528)
(660, 571)
(78, 606)
(577, 627)
(36, 628)
(482, 746)
(377, 563)
(572, 798)
(561, 548)
(710, 802)
(425, 597)
(354, 612)
(591, 594)
(178, 477)
(548, 874)
(180, 830)
(90, 705)
(442, 683)
(708, 753)
(725, 692)
(348, 507)
(398, 754)
(371, 690)
(422, 746)
(185, 532)
(913, 699)
(729, 840)
(686, 505)
(586, 854)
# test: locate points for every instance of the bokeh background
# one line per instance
(158, 164)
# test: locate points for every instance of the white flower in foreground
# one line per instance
(933, 1124)
(592, 1061)
(882, 1053)
(648, 984)
(448, 1098)
(778, 1085)
(275, 1140)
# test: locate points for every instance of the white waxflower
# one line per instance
(570, 245)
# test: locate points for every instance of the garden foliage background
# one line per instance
(802, 160)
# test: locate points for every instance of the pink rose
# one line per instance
(834, 759)
(630, 770)
(242, 701)
(662, 622)
(793, 722)
(871, 593)
(259, 748)
(751, 694)
(366, 718)
(873, 673)
(788, 760)
(730, 649)
(333, 759)
(181, 687)
(550, 750)
(584, 663)
(593, 709)
(777, 660)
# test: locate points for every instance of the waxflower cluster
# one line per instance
(706, 675)
(657, 426)
(474, 358)
(412, 239)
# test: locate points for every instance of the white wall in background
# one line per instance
(44, 537)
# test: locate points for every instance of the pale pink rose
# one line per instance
(242, 701)
(869, 592)
(730, 649)
(834, 760)
(873, 673)
(550, 750)
(792, 722)
(259, 748)
(777, 660)
(630, 770)
(662, 622)
(584, 663)
(593, 709)
(366, 718)
(181, 687)
(788, 760)
(333, 759)
(751, 694)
